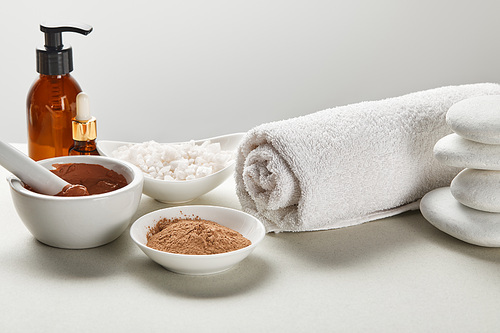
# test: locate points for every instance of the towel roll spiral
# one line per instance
(350, 164)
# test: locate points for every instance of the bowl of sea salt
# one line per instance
(178, 172)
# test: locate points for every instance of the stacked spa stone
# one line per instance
(470, 208)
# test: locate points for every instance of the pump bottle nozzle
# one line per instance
(53, 33)
(54, 58)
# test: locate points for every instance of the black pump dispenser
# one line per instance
(55, 58)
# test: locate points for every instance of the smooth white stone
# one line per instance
(453, 150)
(440, 208)
(478, 189)
(476, 119)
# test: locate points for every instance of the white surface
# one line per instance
(79, 222)
(478, 189)
(393, 275)
(173, 70)
(247, 225)
(441, 209)
(476, 119)
(459, 152)
(173, 191)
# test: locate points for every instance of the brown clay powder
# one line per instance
(194, 236)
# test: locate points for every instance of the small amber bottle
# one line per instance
(51, 101)
(84, 128)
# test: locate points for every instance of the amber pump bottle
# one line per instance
(84, 128)
(51, 101)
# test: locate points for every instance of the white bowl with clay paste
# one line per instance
(246, 224)
(182, 191)
(79, 222)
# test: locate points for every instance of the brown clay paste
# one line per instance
(96, 178)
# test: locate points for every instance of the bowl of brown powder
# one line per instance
(197, 240)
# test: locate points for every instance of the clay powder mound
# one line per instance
(194, 237)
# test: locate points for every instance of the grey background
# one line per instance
(180, 70)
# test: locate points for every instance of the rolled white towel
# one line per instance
(348, 165)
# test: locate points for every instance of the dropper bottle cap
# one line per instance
(84, 125)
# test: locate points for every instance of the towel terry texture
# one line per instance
(348, 165)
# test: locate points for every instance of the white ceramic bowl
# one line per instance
(79, 222)
(180, 191)
(247, 225)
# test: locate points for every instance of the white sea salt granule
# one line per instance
(183, 161)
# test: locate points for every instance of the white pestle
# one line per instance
(29, 172)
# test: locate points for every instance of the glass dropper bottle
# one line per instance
(84, 128)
